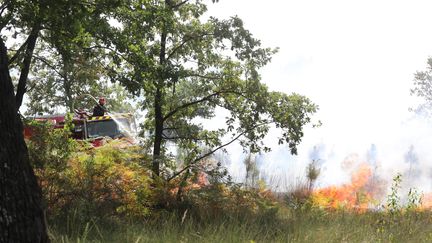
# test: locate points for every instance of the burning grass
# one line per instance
(352, 196)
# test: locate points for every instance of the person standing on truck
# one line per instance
(99, 109)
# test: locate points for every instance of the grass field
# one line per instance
(288, 226)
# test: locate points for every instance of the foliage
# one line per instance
(105, 181)
(214, 201)
(49, 148)
(423, 89)
(393, 199)
(312, 173)
(61, 77)
(187, 67)
(252, 171)
(58, 30)
(299, 197)
(207, 193)
(110, 181)
(414, 200)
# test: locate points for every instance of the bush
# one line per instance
(230, 200)
(104, 181)
(113, 180)
(109, 181)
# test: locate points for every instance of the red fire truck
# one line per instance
(95, 129)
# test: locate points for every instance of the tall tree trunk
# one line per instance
(67, 77)
(158, 133)
(68, 93)
(22, 82)
(21, 213)
(158, 108)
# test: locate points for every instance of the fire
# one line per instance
(426, 202)
(200, 182)
(353, 196)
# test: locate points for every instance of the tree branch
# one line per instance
(186, 40)
(4, 20)
(22, 82)
(49, 65)
(205, 155)
(203, 76)
(180, 4)
(3, 7)
(213, 151)
(170, 128)
(107, 48)
(181, 137)
(206, 98)
(18, 52)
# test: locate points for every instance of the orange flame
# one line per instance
(353, 196)
(426, 202)
(200, 182)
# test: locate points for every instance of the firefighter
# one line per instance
(99, 109)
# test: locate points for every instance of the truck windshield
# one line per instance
(106, 128)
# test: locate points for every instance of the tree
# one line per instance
(423, 89)
(21, 217)
(187, 67)
(58, 76)
(252, 171)
(66, 67)
(62, 76)
(21, 213)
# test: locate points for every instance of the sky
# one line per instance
(356, 60)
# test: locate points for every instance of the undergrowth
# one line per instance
(107, 194)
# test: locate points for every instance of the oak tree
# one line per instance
(187, 67)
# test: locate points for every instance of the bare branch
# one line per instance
(205, 155)
(22, 82)
(3, 7)
(4, 19)
(193, 163)
(18, 52)
(50, 66)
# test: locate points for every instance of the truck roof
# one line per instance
(60, 118)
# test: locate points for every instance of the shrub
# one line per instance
(113, 180)
(230, 200)
(110, 181)
(105, 181)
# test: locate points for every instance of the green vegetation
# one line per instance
(180, 67)
(317, 226)
(106, 194)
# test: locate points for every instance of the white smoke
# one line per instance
(400, 147)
